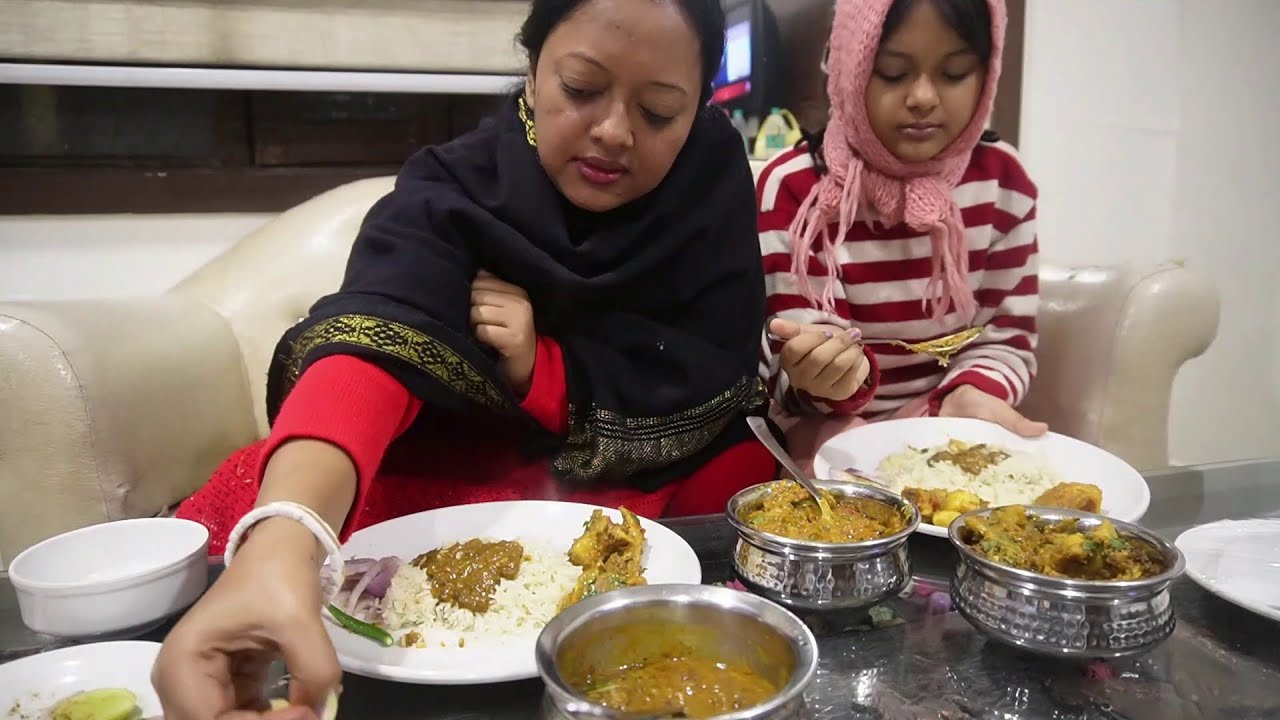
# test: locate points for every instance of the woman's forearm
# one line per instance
(312, 473)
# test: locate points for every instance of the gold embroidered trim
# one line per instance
(600, 441)
(403, 343)
(526, 117)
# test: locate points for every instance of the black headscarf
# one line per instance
(657, 305)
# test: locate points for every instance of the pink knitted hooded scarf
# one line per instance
(862, 170)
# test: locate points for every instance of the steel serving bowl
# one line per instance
(806, 575)
(714, 623)
(1061, 617)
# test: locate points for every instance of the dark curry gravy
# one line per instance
(467, 574)
(692, 688)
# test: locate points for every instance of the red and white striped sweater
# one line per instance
(882, 278)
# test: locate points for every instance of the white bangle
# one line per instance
(301, 514)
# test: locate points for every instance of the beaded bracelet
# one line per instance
(301, 514)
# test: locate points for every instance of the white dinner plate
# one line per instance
(667, 559)
(31, 686)
(1125, 494)
(1237, 560)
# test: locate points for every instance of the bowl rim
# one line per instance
(722, 598)
(1176, 562)
(771, 541)
(85, 587)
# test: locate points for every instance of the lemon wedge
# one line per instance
(103, 704)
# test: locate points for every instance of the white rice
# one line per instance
(1018, 480)
(520, 606)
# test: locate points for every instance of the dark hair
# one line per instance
(706, 16)
(970, 19)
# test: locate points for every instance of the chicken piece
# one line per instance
(1072, 496)
(610, 555)
(962, 501)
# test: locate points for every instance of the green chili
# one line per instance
(361, 628)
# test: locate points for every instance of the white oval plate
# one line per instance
(31, 686)
(1237, 560)
(1125, 494)
(667, 559)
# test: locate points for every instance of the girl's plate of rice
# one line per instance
(453, 646)
(903, 454)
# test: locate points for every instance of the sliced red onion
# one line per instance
(377, 587)
(358, 566)
(366, 579)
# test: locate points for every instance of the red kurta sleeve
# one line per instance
(350, 403)
(548, 398)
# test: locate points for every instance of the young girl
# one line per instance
(903, 221)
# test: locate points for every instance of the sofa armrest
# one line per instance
(1112, 342)
(111, 409)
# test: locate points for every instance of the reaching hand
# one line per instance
(266, 605)
(502, 318)
(968, 401)
(825, 361)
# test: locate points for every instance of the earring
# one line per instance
(526, 117)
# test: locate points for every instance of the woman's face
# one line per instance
(614, 94)
(924, 87)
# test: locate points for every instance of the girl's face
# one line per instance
(614, 95)
(924, 87)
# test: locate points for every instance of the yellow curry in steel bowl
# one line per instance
(790, 553)
(787, 510)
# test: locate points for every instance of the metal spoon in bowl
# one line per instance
(761, 429)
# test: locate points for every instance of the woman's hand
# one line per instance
(266, 605)
(825, 361)
(970, 402)
(502, 318)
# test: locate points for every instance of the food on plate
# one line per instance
(329, 712)
(979, 475)
(466, 574)
(360, 627)
(484, 588)
(1013, 537)
(940, 507)
(677, 686)
(1072, 496)
(788, 510)
(100, 704)
(609, 555)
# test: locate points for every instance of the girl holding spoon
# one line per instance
(906, 223)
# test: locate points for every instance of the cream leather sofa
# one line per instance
(120, 408)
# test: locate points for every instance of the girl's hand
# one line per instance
(825, 361)
(266, 605)
(970, 402)
(502, 318)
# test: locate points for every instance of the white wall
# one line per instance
(1149, 126)
(87, 256)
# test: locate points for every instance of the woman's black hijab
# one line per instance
(657, 305)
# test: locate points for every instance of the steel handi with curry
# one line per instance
(1013, 537)
(788, 510)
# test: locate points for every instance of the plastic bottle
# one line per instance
(778, 132)
(739, 122)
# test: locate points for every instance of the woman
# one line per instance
(903, 222)
(564, 303)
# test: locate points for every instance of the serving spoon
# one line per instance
(761, 429)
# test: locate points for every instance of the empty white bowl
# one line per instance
(111, 577)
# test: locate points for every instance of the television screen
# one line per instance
(734, 79)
